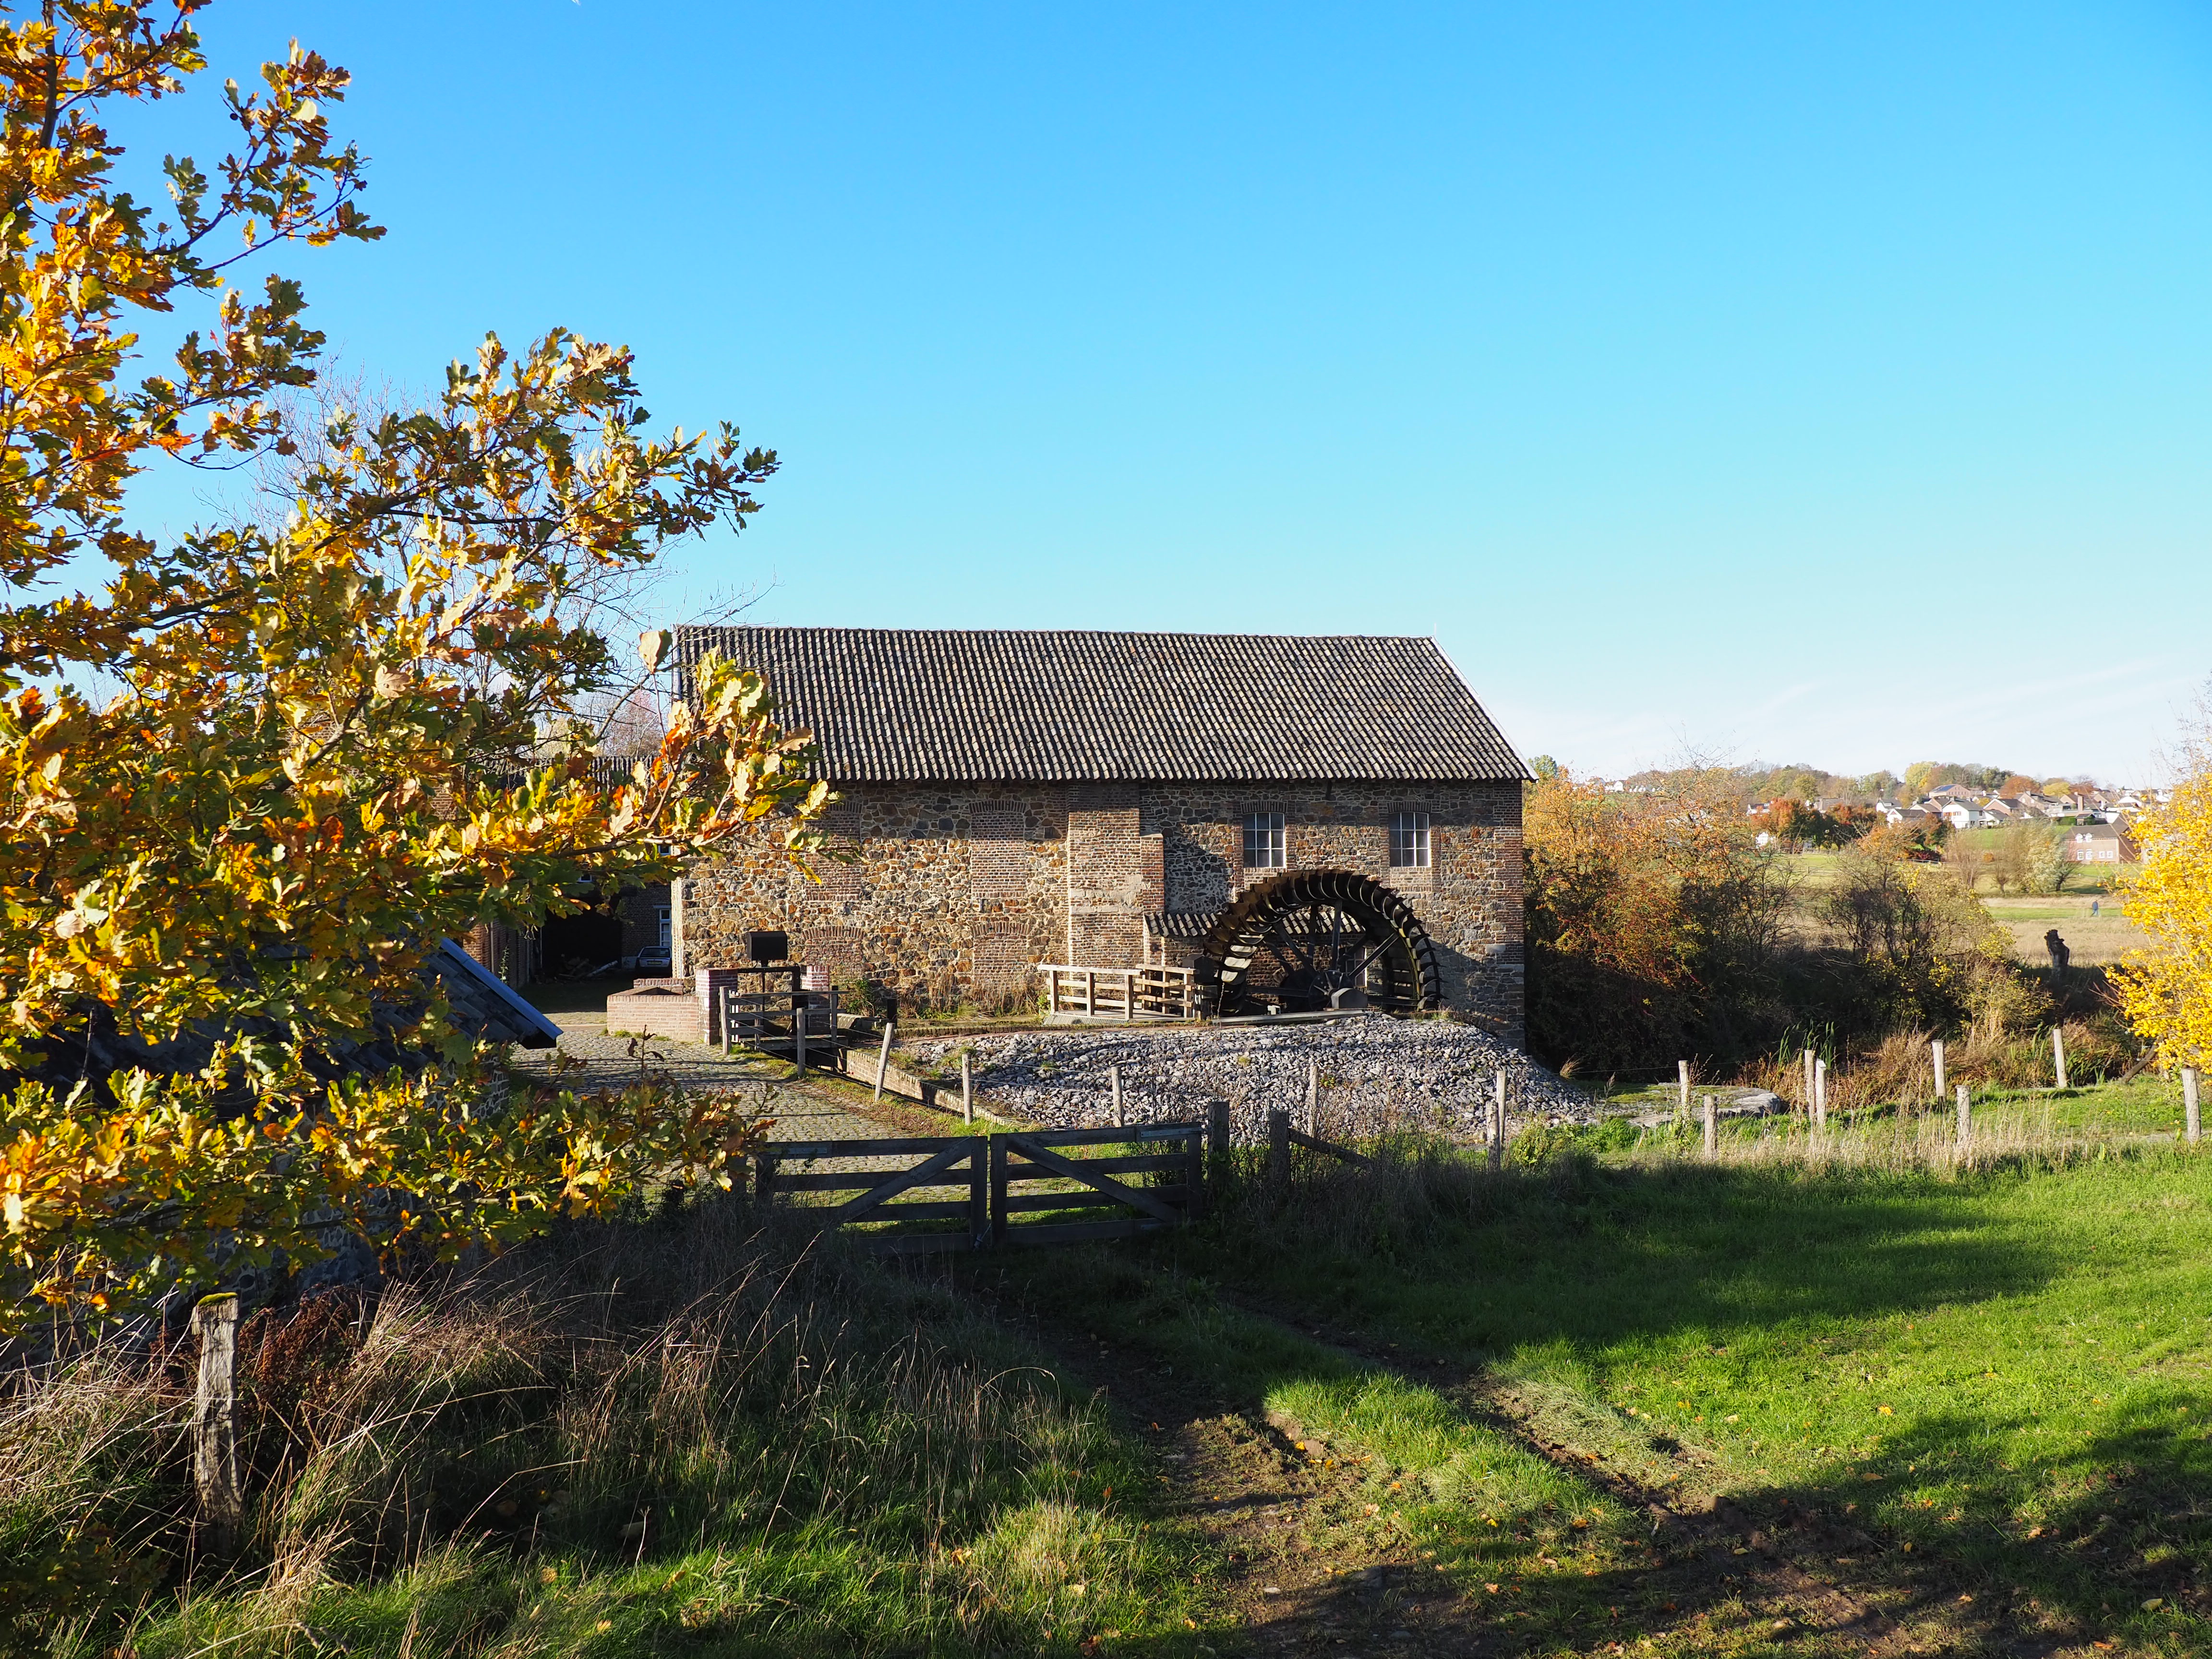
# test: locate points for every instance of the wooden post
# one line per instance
(979, 1193)
(1121, 1112)
(798, 1009)
(1217, 1137)
(1052, 990)
(1965, 1118)
(1278, 1146)
(1313, 1098)
(1090, 995)
(1498, 1120)
(1682, 1087)
(1809, 1058)
(2059, 1054)
(883, 1056)
(998, 1188)
(215, 1424)
(1820, 1094)
(1935, 1052)
(1712, 1132)
(2193, 1124)
(967, 1088)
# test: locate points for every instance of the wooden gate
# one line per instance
(948, 1161)
(1174, 1151)
(1168, 1189)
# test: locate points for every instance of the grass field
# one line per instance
(1613, 1400)
(2003, 1379)
(2094, 940)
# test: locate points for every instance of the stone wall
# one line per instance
(964, 886)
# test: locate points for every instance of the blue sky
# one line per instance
(1829, 382)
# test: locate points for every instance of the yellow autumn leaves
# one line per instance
(2165, 987)
(324, 738)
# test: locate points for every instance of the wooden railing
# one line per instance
(1147, 992)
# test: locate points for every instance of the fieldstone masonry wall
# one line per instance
(978, 882)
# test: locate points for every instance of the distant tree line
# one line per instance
(1757, 781)
(1661, 928)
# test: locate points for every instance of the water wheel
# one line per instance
(1307, 940)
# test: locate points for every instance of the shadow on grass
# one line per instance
(2016, 1511)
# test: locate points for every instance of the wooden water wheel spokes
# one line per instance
(1312, 939)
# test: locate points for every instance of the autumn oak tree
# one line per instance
(253, 775)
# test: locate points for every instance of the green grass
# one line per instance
(2002, 1374)
(2009, 1371)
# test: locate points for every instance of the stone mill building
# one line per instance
(1233, 823)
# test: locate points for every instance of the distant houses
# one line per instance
(1964, 808)
(2102, 843)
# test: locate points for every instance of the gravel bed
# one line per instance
(1376, 1073)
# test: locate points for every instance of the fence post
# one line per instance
(1121, 1112)
(1313, 1098)
(1278, 1146)
(1965, 1118)
(2194, 1122)
(1217, 1137)
(1712, 1133)
(998, 1188)
(883, 1056)
(1936, 1050)
(214, 1422)
(978, 1192)
(1194, 1148)
(1820, 1094)
(967, 1088)
(1682, 1087)
(800, 1009)
(1498, 1120)
(1809, 1059)
(2059, 1054)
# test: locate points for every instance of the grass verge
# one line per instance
(681, 1434)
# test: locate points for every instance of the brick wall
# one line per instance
(975, 883)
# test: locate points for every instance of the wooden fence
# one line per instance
(1150, 1176)
(1119, 993)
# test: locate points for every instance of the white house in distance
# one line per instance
(2102, 843)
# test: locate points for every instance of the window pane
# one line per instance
(1265, 844)
(1409, 840)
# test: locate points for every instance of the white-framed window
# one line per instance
(1266, 847)
(1409, 840)
(664, 928)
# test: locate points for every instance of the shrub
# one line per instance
(1651, 917)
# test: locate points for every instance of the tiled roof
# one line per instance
(905, 705)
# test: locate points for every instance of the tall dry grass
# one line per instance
(2003, 1135)
(696, 1384)
(1991, 1053)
